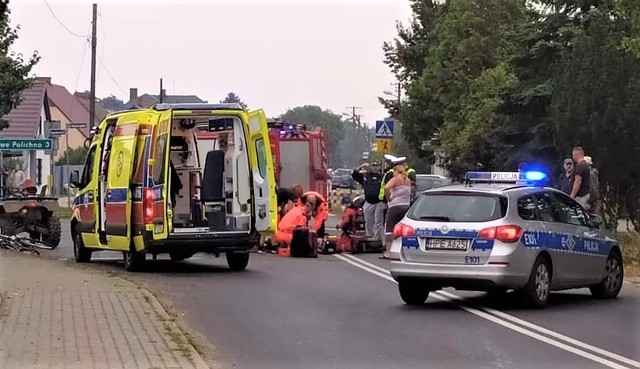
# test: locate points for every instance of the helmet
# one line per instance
(358, 202)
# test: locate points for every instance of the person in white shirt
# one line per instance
(17, 177)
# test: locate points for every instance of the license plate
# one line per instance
(447, 244)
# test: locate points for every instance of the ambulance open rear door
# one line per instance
(264, 201)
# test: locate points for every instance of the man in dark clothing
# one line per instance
(595, 199)
(582, 175)
(373, 207)
(565, 181)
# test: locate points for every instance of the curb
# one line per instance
(192, 355)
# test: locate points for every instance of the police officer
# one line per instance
(388, 174)
(386, 177)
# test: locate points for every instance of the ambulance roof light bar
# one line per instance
(531, 177)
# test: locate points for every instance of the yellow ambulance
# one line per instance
(149, 187)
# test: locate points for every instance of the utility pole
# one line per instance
(355, 117)
(92, 97)
(161, 92)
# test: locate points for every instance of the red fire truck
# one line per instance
(300, 156)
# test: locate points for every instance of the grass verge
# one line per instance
(63, 212)
(630, 244)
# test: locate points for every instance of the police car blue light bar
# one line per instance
(528, 177)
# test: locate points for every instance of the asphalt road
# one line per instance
(345, 312)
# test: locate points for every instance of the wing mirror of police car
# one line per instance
(595, 221)
(74, 179)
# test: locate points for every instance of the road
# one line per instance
(345, 312)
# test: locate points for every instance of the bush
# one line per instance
(630, 244)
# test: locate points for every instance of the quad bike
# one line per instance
(354, 238)
(28, 211)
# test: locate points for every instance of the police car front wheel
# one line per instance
(611, 284)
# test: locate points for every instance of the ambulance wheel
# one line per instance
(412, 292)
(611, 284)
(237, 261)
(133, 260)
(536, 292)
(80, 253)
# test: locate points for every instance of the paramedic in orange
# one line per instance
(297, 217)
(320, 211)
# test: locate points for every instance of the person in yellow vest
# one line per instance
(389, 172)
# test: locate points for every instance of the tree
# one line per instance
(14, 70)
(233, 98)
(112, 103)
(454, 43)
(351, 147)
(329, 121)
(77, 156)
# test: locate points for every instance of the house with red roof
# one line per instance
(24, 136)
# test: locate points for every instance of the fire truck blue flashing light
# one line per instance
(532, 177)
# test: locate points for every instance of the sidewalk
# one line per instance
(55, 315)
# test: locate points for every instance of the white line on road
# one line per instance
(501, 318)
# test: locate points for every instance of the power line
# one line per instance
(75, 88)
(110, 76)
(62, 24)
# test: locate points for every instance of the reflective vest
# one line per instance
(388, 175)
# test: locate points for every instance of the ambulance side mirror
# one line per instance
(74, 179)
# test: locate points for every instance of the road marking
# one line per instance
(503, 319)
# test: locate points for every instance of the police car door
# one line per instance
(265, 206)
(555, 239)
(118, 184)
(587, 251)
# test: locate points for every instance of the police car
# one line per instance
(501, 231)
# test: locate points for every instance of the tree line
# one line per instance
(499, 82)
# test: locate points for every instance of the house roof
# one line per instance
(70, 106)
(24, 119)
(147, 100)
(101, 111)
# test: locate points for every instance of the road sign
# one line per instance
(77, 125)
(384, 145)
(57, 132)
(26, 144)
(365, 155)
(384, 129)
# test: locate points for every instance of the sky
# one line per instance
(275, 55)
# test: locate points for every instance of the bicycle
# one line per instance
(23, 244)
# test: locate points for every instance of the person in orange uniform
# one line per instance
(298, 217)
(320, 211)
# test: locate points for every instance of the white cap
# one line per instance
(390, 157)
(400, 160)
(588, 160)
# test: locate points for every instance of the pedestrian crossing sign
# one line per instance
(384, 129)
(384, 145)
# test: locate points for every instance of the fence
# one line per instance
(60, 184)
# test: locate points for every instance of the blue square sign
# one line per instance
(384, 128)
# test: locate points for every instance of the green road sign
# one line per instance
(27, 144)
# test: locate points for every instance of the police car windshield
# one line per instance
(458, 207)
